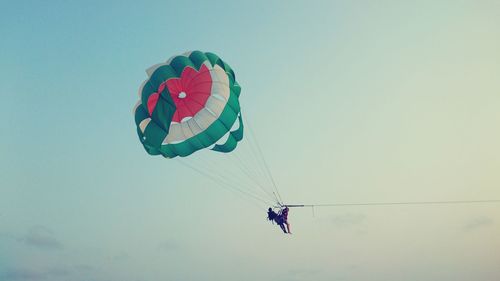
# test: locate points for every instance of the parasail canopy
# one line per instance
(187, 104)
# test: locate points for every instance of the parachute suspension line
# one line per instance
(208, 165)
(255, 153)
(228, 186)
(259, 167)
(237, 163)
(278, 201)
(224, 172)
(254, 171)
(395, 203)
(224, 184)
(252, 135)
(225, 181)
(260, 171)
(241, 166)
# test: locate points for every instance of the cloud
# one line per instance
(42, 238)
(21, 274)
(7, 235)
(27, 274)
(122, 256)
(479, 222)
(85, 268)
(58, 272)
(85, 272)
(346, 220)
(168, 246)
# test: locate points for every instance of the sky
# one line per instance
(349, 101)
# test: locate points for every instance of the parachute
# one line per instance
(190, 104)
(187, 104)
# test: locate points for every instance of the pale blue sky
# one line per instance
(351, 101)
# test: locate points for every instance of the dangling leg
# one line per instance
(279, 221)
(283, 227)
(288, 227)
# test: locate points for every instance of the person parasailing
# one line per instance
(278, 218)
